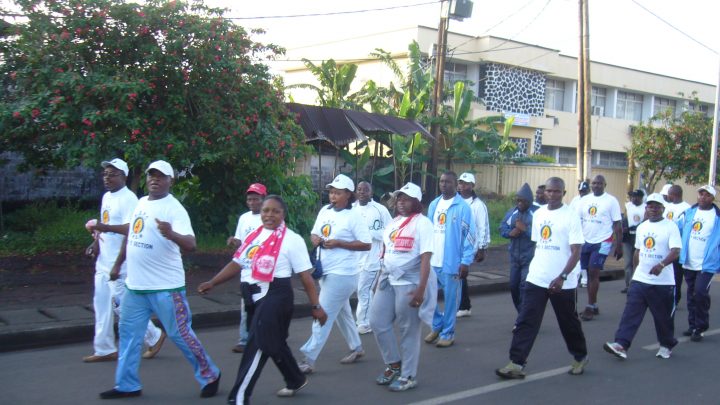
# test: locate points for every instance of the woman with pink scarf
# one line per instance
(266, 260)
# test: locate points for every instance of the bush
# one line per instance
(496, 210)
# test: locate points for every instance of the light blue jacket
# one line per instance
(459, 234)
(711, 262)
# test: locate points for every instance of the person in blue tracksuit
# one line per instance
(453, 252)
(700, 258)
(517, 226)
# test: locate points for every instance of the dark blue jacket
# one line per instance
(521, 248)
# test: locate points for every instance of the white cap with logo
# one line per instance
(161, 166)
(710, 189)
(411, 190)
(666, 189)
(655, 197)
(467, 178)
(342, 182)
(116, 163)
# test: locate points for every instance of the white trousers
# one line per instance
(366, 281)
(106, 302)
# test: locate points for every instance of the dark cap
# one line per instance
(637, 193)
(583, 186)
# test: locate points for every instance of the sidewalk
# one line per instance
(37, 325)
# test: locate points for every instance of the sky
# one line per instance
(621, 32)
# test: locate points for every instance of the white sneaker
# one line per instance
(463, 313)
(306, 367)
(364, 329)
(664, 353)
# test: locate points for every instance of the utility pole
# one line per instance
(714, 148)
(584, 93)
(431, 179)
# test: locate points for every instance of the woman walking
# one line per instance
(406, 292)
(339, 233)
(266, 260)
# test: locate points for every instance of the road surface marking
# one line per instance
(683, 339)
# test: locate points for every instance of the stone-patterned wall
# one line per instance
(513, 89)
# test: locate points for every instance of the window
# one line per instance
(567, 156)
(609, 159)
(629, 106)
(554, 94)
(455, 72)
(699, 107)
(663, 104)
(597, 101)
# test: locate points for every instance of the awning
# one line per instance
(340, 127)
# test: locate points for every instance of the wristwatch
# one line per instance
(316, 306)
(563, 276)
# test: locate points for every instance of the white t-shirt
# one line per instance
(292, 258)
(343, 225)
(153, 261)
(482, 223)
(406, 260)
(702, 228)
(597, 215)
(635, 213)
(554, 231)
(439, 219)
(674, 211)
(115, 209)
(376, 218)
(654, 241)
(247, 223)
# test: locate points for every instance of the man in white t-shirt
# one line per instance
(700, 258)
(634, 214)
(553, 275)
(247, 223)
(160, 229)
(117, 204)
(602, 228)
(377, 217)
(675, 208)
(657, 245)
(466, 186)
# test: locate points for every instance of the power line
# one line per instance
(675, 28)
(334, 12)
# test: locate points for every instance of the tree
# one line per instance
(86, 80)
(335, 82)
(672, 147)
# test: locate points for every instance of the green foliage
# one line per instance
(672, 147)
(533, 159)
(335, 82)
(496, 210)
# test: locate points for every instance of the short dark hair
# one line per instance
(556, 180)
(450, 173)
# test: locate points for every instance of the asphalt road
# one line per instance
(462, 374)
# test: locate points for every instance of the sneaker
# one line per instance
(697, 336)
(388, 376)
(688, 332)
(153, 350)
(364, 329)
(596, 310)
(352, 356)
(238, 348)
(115, 394)
(578, 367)
(290, 392)
(623, 291)
(445, 342)
(511, 372)
(306, 367)
(615, 349)
(663, 353)
(432, 337)
(210, 389)
(463, 313)
(403, 384)
(97, 359)
(589, 313)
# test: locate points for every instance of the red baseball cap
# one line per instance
(257, 188)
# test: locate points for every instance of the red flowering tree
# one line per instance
(673, 147)
(87, 80)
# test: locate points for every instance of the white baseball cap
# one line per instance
(411, 190)
(665, 189)
(116, 163)
(655, 197)
(161, 166)
(467, 178)
(342, 182)
(710, 189)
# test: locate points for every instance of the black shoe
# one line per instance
(623, 291)
(211, 389)
(697, 336)
(688, 332)
(115, 394)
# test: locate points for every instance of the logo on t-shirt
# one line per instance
(592, 210)
(441, 218)
(636, 218)
(649, 242)
(138, 225)
(326, 230)
(545, 232)
(697, 226)
(670, 215)
(106, 217)
(250, 253)
(393, 235)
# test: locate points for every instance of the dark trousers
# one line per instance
(660, 300)
(268, 338)
(464, 297)
(678, 270)
(532, 309)
(518, 274)
(698, 299)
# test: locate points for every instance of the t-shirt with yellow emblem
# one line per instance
(114, 210)
(654, 241)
